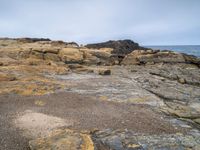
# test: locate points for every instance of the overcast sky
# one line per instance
(149, 22)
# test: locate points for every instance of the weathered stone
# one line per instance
(197, 120)
(182, 80)
(102, 56)
(38, 55)
(7, 77)
(104, 71)
(71, 55)
(51, 56)
(121, 47)
(63, 140)
(53, 50)
(150, 56)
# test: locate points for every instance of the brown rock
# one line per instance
(63, 140)
(104, 72)
(51, 56)
(38, 55)
(151, 57)
(71, 55)
(197, 120)
(44, 49)
(7, 77)
(182, 80)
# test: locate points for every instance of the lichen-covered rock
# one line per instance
(113, 139)
(63, 140)
(52, 56)
(7, 77)
(71, 55)
(102, 56)
(150, 56)
(44, 49)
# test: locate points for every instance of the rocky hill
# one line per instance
(113, 95)
(121, 47)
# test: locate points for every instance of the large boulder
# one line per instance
(99, 57)
(71, 55)
(121, 47)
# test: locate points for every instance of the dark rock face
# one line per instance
(31, 40)
(121, 47)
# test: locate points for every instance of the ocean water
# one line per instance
(188, 49)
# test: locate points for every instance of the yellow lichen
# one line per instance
(87, 142)
(40, 103)
(133, 146)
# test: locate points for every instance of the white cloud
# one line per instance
(88, 21)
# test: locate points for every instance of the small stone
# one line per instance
(39, 103)
(133, 146)
(197, 120)
(182, 80)
(104, 72)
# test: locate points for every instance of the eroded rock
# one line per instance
(62, 140)
(155, 56)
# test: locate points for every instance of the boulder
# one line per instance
(192, 59)
(89, 58)
(71, 55)
(103, 71)
(102, 56)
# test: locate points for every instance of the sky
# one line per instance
(148, 22)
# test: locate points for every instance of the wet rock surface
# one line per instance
(57, 95)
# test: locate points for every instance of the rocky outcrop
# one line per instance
(121, 47)
(71, 55)
(164, 81)
(56, 51)
(155, 56)
(115, 140)
(99, 57)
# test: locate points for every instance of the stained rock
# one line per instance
(151, 56)
(71, 55)
(104, 71)
(7, 77)
(63, 140)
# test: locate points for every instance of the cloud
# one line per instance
(86, 21)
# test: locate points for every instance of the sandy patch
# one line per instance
(38, 125)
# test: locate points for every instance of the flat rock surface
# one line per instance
(23, 118)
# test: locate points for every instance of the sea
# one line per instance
(188, 49)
